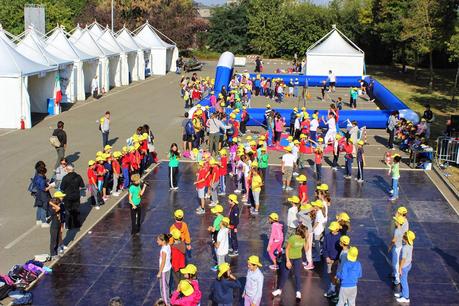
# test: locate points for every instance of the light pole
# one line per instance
(112, 15)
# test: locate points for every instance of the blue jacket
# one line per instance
(331, 246)
(234, 216)
(222, 290)
(350, 273)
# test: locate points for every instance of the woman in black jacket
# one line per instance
(42, 195)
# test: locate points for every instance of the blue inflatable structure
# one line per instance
(374, 119)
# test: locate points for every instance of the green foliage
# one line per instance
(228, 29)
(62, 12)
(453, 46)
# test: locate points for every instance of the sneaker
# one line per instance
(237, 191)
(348, 177)
(295, 174)
(60, 250)
(222, 193)
(283, 187)
(212, 204)
(403, 300)
(397, 295)
(38, 222)
(335, 300)
(393, 198)
(393, 149)
(115, 194)
(97, 207)
(356, 179)
(207, 196)
(305, 263)
(277, 292)
(298, 295)
(175, 188)
(200, 211)
(391, 191)
(274, 267)
(360, 181)
(214, 268)
(233, 254)
(254, 212)
(309, 267)
(329, 294)
(105, 198)
(45, 225)
(335, 168)
(288, 189)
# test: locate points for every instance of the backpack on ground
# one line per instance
(189, 128)
(54, 141)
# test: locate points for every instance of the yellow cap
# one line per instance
(223, 152)
(91, 162)
(399, 219)
(296, 142)
(320, 139)
(99, 153)
(360, 143)
(306, 115)
(303, 108)
(176, 234)
(317, 203)
(217, 209)
(294, 199)
(107, 147)
(226, 220)
(223, 103)
(99, 158)
(345, 240)
(343, 217)
(117, 154)
(334, 226)
(254, 260)
(262, 137)
(288, 149)
(301, 178)
(254, 164)
(402, 210)
(303, 136)
(223, 268)
(306, 206)
(232, 115)
(59, 194)
(198, 105)
(352, 254)
(179, 213)
(232, 197)
(290, 138)
(410, 236)
(125, 149)
(189, 269)
(295, 109)
(338, 136)
(248, 138)
(323, 187)
(185, 287)
(274, 216)
(268, 105)
(252, 143)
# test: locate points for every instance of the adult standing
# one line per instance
(62, 137)
(42, 195)
(105, 128)
(135, 197)
(60, 172)
(215, 125)
(391, 123)
(95, 88)
(71, 186)
(258, 64)
(331, 81)
(429, 117)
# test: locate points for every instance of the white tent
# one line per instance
(32, 46)
(84, 41)
(126, 40)
(15, 70)
(58, 44)
(335, 52)
(164, 54)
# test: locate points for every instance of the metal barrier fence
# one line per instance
(447, 150)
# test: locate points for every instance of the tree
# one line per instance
(453, 49)
(266, 23)
(421, 29)
(228, 29)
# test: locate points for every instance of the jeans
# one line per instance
(404, 282)
(348, 171)
(60, 155)
(395, 187)
(41, 214)
(316, 250)
(360, 170)
(126, 178)
(395, 263)
(213, 192)
(313, 135)
(297, 267)
(222, 184)
(233, 243)
(319, 172)
(104, 139)
(115, 182)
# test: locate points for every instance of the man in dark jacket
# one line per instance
(71, 186)
(62, 136)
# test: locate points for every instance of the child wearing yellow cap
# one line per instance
(233, 215)
(348, 158)
(223, 287)
(394, 172)
(395, 246)
(318, 228)
(185, 294)
(318, 157)
(56, 222)
(178, 250)
(182, 226)
(360, 161)
(405, 266)
(276, 239)
(349, 276)
(222, 242)
(331, 252)
(253, 289)
(256, 184)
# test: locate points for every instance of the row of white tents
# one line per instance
(36, 67)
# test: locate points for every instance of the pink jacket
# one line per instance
(192, 300)
(277, 234)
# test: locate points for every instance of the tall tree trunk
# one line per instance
(415, 66)
(431, 72)
(455, 85)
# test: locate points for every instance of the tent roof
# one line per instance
(14, 64)
(84, 41)
(33, 46)
(335, 43)
(108, 41)
(147, 35)
(58, 44)
(125, 39)
(96, 29)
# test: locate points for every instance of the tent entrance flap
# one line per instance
(40, 90)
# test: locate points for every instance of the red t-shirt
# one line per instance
(224, 166)
(318, 157)
(202, 173)
(144, 146)
(100, 172)
(348, 148)
(116, 167)
(303, 189)
(125, 161)
(215, 175)
(305, 126)
(92, 177)
(303, 147)
(235, 124)
(177, 259)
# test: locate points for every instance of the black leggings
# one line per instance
(135, 219)
(173, 175)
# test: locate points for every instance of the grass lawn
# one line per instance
(415, 94)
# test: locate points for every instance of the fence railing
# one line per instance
(447, 150)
